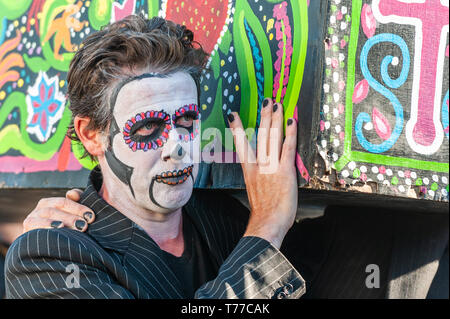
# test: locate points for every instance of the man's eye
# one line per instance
(147, 129)
(185, 121)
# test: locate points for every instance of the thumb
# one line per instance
(74, 194)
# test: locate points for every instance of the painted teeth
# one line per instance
(181, 174)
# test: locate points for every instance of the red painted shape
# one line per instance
(205, 18)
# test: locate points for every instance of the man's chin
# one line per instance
(171, 197)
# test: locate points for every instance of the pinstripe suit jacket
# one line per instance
(116, 259)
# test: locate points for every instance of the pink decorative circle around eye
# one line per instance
(189, 109)
(135, 144)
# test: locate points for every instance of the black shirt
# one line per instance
(195, 266)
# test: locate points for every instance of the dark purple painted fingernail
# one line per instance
(275, 107)
(80, 224)
(56, 224)
(88, 216)
(290, 121)
(230, 118)
(266, 102)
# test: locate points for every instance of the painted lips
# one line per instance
(175, 177)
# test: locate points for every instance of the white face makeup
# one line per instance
(154, 139)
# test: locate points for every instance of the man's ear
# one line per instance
(91, 139)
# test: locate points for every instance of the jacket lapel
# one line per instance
(141, 256)
(145, 259)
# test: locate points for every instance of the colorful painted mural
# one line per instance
(367, 80)
(384, 115)
(257, 50)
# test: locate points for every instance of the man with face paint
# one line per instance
(133, 89)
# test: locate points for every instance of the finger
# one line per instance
(68, 206)
(74, 194)
(69, 220)
(243, 148)
(276, 131)
(263, 131)
(32, 223)
(290, 144)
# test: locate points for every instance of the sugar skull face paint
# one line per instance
(153, 140)
(147, 130)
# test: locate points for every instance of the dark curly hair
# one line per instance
(132, 43)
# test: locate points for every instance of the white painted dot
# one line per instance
(352, 165)
(363, 169)
(395, 61)
(335, 112)
(408, 181)
(326, 88)
(335, 77)
(435, 178)
(341, 57)
(401, 188)
(375, 170)
(334, 39)
(444, 192)
(345, 173)
(426, 181)
(368, 126)
(386, 182)
(413, 175)
(389, 172)
(224, 106)
(333, 19)
(327, 125)
(337, 128)
(380, 177)
(431, 193)
(336, 142)
(328, 61)
(324, 143)
(336, 97)
(343, 25)
(335, 157)
(344, 9)
(401, 174)
(444, 180)
(326, 108)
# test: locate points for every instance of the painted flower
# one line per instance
(45, 106)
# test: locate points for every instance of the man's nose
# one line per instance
(174, 151)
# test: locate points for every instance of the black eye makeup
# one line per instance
(186, 118)
(147, 130)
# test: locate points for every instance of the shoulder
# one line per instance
(62, 244)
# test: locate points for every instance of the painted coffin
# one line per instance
(257, 49)
(384, 125)
(371, 100)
